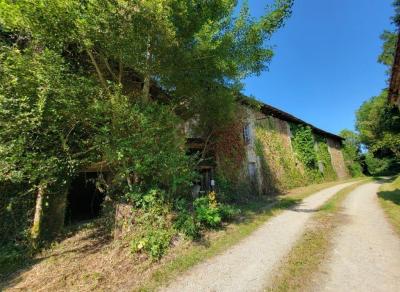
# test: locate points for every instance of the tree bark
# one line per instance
(146, 78)
(98, 71)
(38, 217)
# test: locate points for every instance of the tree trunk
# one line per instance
(146, 78)
(38, 218)
(98, 71)
(146, 89)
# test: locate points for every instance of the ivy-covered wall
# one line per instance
(337, 158)
(280, 168)
(288, 155)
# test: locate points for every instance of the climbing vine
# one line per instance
(324, 158)
(229, 149)
(280, 168)
(303, 145)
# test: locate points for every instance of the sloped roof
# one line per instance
(280, 114)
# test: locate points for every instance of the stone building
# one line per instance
(270, 170)
(265, 168)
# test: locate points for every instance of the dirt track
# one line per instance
(366, 251)
(248, 266)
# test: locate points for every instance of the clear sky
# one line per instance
(325, 62)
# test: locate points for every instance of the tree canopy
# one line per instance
(85, 81)
(379, 126)
(196, 50)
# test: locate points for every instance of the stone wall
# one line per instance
(337, 158)
(269, 154)
(270, 160)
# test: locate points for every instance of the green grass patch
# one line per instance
(389, 198)
(254, 214)
(311, 250)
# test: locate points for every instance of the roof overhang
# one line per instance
(277, 113)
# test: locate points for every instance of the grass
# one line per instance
(389, 198)
(311, 250)
(86, 259)
(254, 215)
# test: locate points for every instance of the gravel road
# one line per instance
(249, 265)
(366, 251)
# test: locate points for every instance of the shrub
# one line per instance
(12, 256)
(228, 212)
(355, 169)
(186, 223)
(207, 213)
(377, 166)
(155, 242)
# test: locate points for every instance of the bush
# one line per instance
(12, 257)
(186, 223)
(210, 213)
(206, 212)
(355, 169)
(377, 166)
(228, 212)
(155, 242)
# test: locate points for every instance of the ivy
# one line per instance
(280, 168)
(303, 145)
(324, 158)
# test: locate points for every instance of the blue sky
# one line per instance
(325, 62)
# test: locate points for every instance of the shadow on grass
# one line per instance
(393, 196)
(265, 206)
(15, 261)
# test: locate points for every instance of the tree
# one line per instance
(379, 126)
(196, 50)
(386, 58)
(83, 81)
(351, 152)
(45, 133)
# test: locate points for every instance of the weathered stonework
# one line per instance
(337, 158)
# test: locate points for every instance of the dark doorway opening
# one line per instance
(84, 201)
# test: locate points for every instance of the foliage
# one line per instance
(43, 108)
(228, 212)
(212, 43)
(386, 58)
(207, 212)
(12, 256)
(229, 149)
(187, 224)
(155, 243)
(324, 158)
(303, 145)
(44, 129)
(104, 81)
(280, 167)
(377, 166)
(378, 123)
(288, 164)
(16, 216)
(153, 224)
(144, 146)
(351, 152)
